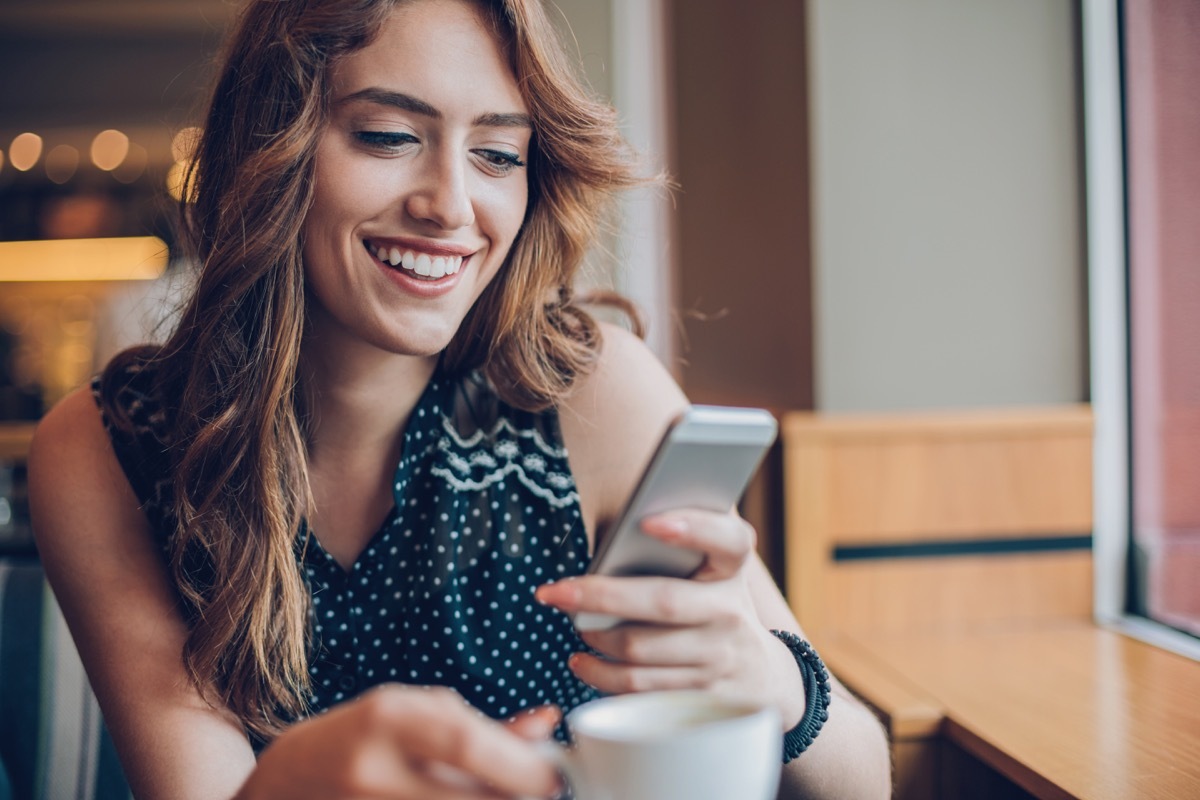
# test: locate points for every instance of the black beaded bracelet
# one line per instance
(816, 692)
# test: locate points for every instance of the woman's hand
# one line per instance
(407, 742)
(697, 633)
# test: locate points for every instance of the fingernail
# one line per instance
(544, 718)
(669, 527)
(562, 595)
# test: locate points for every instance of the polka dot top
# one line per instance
(485, 511)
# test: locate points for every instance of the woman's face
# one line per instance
(420, 184)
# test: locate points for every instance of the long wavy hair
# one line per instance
(228, 373)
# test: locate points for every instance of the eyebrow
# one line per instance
(405, 102)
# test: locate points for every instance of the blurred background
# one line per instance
(882, 205)
(95, 110)
(952, 244)
(857, 179)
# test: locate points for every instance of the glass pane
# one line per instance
(1162, 68)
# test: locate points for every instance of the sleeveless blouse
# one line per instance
(486, 510)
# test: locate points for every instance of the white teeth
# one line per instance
(422, 264)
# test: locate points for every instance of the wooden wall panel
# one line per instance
(944, 594)
(898, 490)
(1013, 479)
(896, 477)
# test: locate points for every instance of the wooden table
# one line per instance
(1066, 710)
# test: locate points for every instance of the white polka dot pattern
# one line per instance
(485, 511)
(443, 594)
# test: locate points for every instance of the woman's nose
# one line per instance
(443, 196)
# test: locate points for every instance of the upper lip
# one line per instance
(430, 246)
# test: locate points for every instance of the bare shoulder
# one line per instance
(89, 527)
(72, 427)
(106, 568)
(629, 382)
(73, 470)
(614, 418)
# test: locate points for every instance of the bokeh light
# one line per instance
(175, 178)
(183, 144)
(109, 149)
(25, 151)
(61, 163)
(133, 165)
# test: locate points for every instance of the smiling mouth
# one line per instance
(421, 266)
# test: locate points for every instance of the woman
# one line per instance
(389, 205)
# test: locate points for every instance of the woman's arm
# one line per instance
(711, 631)
(850, 757)
(104, 565)
(106, 571)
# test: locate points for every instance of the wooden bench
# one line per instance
(942, 565)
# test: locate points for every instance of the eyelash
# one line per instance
(385, 140)
(500, 160)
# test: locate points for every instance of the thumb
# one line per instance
(535, 724)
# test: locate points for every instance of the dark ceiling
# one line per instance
(87, 65)
(70, 69)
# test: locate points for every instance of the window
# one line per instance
(1142, 73)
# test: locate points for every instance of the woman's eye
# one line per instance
(385, 140)
(500, 161)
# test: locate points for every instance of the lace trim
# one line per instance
(502, 425)
(466, 484)
(476, 468)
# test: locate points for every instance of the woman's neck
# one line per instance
(358, 400)
(359, 397)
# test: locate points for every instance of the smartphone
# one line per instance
(704, 460)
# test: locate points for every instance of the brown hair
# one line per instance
(229, 370)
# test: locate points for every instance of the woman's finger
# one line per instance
(651, 645)
(436, 725)
(535, 724)
(661, 601)
(614, 677)
(443, 782)
(726, 540)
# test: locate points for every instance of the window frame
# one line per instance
(1108, 304)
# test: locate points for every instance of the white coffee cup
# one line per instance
(674, 745)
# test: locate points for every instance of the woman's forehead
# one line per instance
(444, 52)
